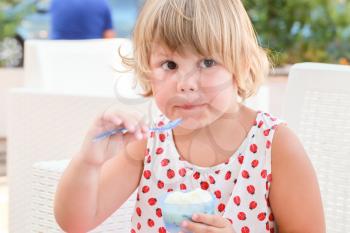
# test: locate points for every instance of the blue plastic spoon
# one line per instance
(170, 125)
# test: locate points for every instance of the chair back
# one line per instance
(317, 108)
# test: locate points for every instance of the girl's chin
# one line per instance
(193, 123)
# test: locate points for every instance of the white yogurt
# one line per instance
(193, 197)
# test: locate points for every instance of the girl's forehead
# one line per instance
(159, 49)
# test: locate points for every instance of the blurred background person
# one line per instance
(81, 19)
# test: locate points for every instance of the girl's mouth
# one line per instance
(191, 106)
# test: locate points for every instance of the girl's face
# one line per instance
(197, 89)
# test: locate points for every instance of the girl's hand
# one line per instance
(202, 223)
(97, 152)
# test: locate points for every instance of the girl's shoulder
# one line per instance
(294, 187)
(267, 121)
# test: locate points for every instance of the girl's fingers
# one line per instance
(133, 124)
(198, 227)
(210, 219)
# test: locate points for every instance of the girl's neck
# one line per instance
(215, 143)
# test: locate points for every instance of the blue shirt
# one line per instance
(79, 19)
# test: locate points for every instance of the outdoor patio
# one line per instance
(51, 90)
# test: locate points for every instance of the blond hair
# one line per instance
(220, 29)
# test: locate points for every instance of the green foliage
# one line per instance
(303, 30)
(11, 13)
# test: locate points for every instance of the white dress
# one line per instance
(240, 185)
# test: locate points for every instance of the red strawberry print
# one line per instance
(159, 212)
(253, 205)
(245, 230)
(150, 223)
(138, 211)
(228, 175)
(160, 123)
(147, 174)
(132, 231)
(258, 210)
(204, 185)
(160, 184)
(253, 148)
(241, 216)
(255, 163)
(170, 173)
(272, 230)
(217, 194)
(152, 201)
(251, 189)
(162, 137)
(221, 207)
(211, 180)
(237, 200)
(241, 159)
(268, 144)
(145, 189)
(266, 132)
(196, 175)
(148, 159)
(138, 197)
(262, 216)
(165, 162)
(271, 218)
(182, 172)
(183, 187)
(152, 134)
(245, 174)
(159, 150)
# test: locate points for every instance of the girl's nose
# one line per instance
(187, 85)
(188, 82)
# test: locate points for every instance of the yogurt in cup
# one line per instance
(178, 206)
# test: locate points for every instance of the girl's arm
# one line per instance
(101, 176)
(294, 195)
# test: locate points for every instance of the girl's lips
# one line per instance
(191, 106)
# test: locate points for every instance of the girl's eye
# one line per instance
(169, 65)
(207, 63)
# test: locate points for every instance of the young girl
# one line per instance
(197, 58)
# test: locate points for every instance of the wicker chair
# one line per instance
(318, 109)
(67, 83)
(46, 175)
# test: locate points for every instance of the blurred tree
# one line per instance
(303, 30)
(11, 13)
